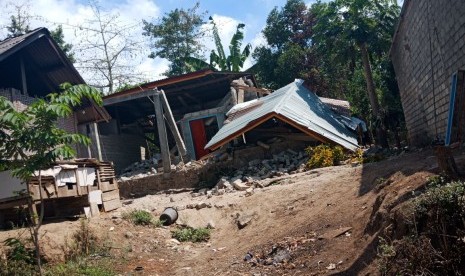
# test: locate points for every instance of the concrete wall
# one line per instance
(14, 185)
(122, 149)
(428, 48)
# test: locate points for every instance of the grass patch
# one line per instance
(142, 217)
(191, 234)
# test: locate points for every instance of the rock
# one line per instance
(282, 256)
(243, 221)
(221, 183)
(239, 185)
(175, 241)
(171, 199)
(219, 206)
(203, 191)
(209, 194)
(331, 266)
(211, 225)
(190, 206)
(196, 194)
(118, 221)
(249, 191)
(128, 235)
(201, 205)
(112, 228)
(254, 163)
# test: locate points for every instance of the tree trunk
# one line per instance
(381, 138)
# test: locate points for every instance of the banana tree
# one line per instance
(218, 59)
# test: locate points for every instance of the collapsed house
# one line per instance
(293, 105)
(197, 102)
(33, 65)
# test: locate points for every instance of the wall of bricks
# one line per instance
(428, 49)
(20, 102)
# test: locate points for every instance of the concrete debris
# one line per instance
(249, 192)
(258, 173)
(243, 221)
(152, 166)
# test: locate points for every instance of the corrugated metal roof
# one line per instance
(297, 105)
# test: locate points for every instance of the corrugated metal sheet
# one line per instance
(297, 104)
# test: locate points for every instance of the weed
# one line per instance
(434, 243)
(19, 252)
(191, 234)
(80, 267)
(324, 156)
(84, 243)
(139, 217)
(17, 268)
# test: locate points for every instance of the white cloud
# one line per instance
(71, 14)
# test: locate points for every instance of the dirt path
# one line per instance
(301, 216)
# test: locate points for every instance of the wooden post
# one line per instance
(97, 142)
(163, 138)
(174, 128)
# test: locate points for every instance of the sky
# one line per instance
(226, 13)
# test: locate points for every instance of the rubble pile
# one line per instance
(249, 177)
(281, 253)
(152, 166)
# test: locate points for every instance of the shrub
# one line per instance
(84, 243)
(434, 243)
(324, 156)
(20, 259)
(139, 217)
(191, 234)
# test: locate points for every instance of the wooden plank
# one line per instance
(173, 127)
(111, 205)
(162, 135)
(111, 195)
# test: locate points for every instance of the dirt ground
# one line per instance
(320, 222)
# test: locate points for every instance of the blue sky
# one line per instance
(73, 13)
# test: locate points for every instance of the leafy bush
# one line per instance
(139, 217)
(435, 242)
(191, 234)
(324, 156)
(20, 259)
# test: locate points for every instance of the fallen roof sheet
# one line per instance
(297, 106)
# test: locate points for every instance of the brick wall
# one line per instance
(429, 47)
(20, 102)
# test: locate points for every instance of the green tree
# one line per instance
(218, 59)
(176, 37)
(30, 140)
(59, 38)
(346, 26)
(19, 20)
(288, 53)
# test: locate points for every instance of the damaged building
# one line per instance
(33, 65)
(197, 101)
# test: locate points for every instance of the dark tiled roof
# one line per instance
(10, 43)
